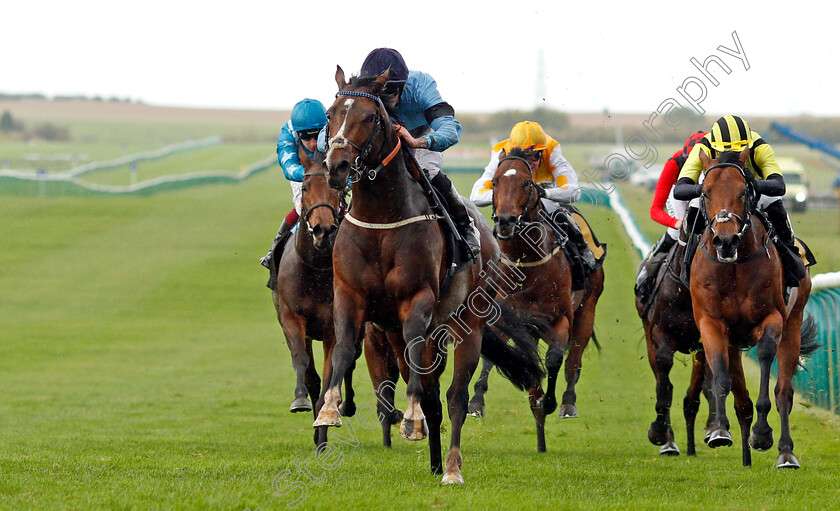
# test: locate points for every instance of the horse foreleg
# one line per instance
(691, 403)
(348, 407)
(294, 328)
(788, 357)
(743, 403)
(768, 341)
(476, 406)
(661, 359)
(709, 394)
(415, 316)
(467, 354)
(715, 336)
(348, 316)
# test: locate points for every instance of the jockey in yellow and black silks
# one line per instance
(732, 133)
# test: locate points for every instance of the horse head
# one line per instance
(515, 194)
(727, 197)
(320, 204)
(358, 127)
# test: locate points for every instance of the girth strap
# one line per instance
(392, 225)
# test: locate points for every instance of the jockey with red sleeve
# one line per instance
(307, 119)
(667, 211)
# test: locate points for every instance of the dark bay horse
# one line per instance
(738, 300)
(389, 262)
(669, 326)
(531, 258)
(304, 295)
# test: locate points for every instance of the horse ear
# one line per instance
(304, 158)
(339, 77)
(380, 81)
(744, 156)
(705, 160)
(502, 154)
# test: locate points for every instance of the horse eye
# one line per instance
(303, 188)
(370, 118)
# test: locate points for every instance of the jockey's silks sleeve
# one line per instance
(287, 153)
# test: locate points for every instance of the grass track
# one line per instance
(142, 368)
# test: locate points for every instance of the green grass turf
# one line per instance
(142, 367)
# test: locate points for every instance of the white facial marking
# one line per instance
(510, 172)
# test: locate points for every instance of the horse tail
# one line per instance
(518, 361)
(595, 340)
(808, 333)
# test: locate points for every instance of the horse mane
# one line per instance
(358, 82)
(517, 152)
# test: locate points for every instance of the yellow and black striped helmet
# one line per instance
(730, 133)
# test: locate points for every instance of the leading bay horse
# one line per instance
(738, 299)
(534, 260)
(389, 262)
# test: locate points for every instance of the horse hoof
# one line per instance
(347, 409)
(328, 418)
(669, 449)
(707, 436)
(476, 410)
(301, 404)
(787, 460)
(414, 430)
(761, 442)
(452, 478)
(396, 416)
(720, 438)
(657, 435)
(568, 412)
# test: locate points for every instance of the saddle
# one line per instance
(585, 254)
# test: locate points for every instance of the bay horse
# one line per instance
(303, 297)
(737, 294)
(669, 326)
(389, 262)
(532, 258)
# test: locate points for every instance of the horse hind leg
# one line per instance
(476, 406)
(467, 354)
(788, 357)
(384, 375)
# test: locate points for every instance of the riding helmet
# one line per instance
(730, 133)
(381, 59)
(525, 134)
(308, 114)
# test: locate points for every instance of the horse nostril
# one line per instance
(330, 230)
(717, 242)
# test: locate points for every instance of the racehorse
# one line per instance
(668, 321)
(738, 299)
(389, 262)
(538, 265)
(304, 295)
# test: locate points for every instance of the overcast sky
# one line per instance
(627, 57)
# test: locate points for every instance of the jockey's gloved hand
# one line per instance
(773, 186)
(687, 189)
(541, 192)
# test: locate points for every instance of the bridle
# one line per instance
(308, 211)
(520, 223)
(724, 216)
(359, 167)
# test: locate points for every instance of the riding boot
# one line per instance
(562, 217)
(458, 211)
(269, 260)
(690, 237)
(647, 274)
(794, 268)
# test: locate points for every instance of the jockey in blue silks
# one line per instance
(426, 123)
(307, 120)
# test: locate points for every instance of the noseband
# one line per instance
(519, 223)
